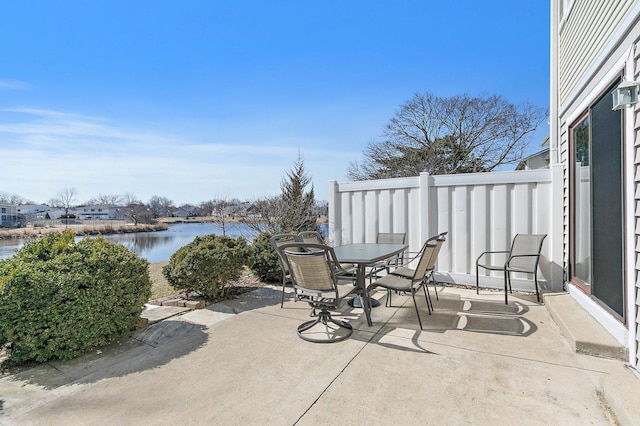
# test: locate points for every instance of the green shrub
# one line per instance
(59, 299)
(264, 261)
(207, 264)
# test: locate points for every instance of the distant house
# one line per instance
(539, 160)
(58, 213)
(97, 212)
(8, 216)
(182, 212)
(34, 211)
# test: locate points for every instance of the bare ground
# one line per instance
(160, 286)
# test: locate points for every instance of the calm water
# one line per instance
(157, 246)
(153, 246)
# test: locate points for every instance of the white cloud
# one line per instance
(45, 151)
(13, 85)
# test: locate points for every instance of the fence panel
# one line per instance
(481, 211)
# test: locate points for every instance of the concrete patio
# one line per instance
(241, 362)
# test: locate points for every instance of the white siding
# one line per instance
(636, 228)
(581, 41)
(593, 44)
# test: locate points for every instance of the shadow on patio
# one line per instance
(241, 362)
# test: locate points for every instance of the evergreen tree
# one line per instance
(297, 205)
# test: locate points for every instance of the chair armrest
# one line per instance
(520, 255)
(490, 252)
(412, 255)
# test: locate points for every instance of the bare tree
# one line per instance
(459, 134)
(135, 210)
(267, 213)
(106, 200)
(65, 199)
(222, 211)
(138, 213)
(129, 198)
(321, 208)
(7, 198)
(161, 206)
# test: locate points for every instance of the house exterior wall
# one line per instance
(8, 215)
(592, 45)
(580, 40)
(97, 212)
(480, 211)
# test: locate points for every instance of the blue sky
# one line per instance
(195, 100)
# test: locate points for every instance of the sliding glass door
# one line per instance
(597, 205)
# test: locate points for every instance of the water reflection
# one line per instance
(153, 246)
(157, 246)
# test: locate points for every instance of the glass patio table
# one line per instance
(363, 255)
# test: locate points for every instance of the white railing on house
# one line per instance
(480, 211)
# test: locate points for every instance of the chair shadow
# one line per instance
(487, 316)
(402, 340)
(452, 313)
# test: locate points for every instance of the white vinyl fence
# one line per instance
(480, 211)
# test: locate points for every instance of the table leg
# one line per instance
(366, 301)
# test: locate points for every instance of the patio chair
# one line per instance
(277, 241)
(405, 279)
(524, 256)
(311, 237)
(315, 271)
(316, 238)
(387, 238)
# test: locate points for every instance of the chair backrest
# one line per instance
(430, 251)
(391, 238)
(526, 244)
(311, 237)
(311, 267)
(277, 241)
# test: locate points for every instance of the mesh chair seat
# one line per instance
(403, 271)
(315, 273)
(315, 237)
(343, 290)
(409, 279)
(387, 238)
(277, 241)
(523, 257)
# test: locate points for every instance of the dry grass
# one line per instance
(103, 229)
(159, 285)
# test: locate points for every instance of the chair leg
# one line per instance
(535, 279)
(427, 297)
(506, 275)
(324, 317)
(435, 287)
(477, 279)
(413, 294)
(284, 284)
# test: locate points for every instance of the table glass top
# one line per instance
(367, 252)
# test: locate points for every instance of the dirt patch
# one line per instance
(160, 287)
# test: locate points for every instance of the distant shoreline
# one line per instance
(107, 227)
(320, 220)
(80, 230)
